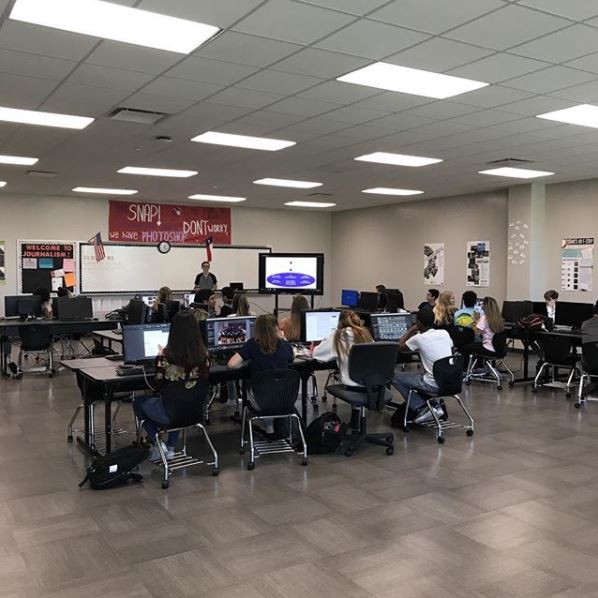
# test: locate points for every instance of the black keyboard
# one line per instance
(135, 370)
(115, 357)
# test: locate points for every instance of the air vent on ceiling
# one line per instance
(47, 174)
(511, 161)
(319, 195)
(132, 115)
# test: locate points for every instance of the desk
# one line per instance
(10, 328)
(109, 335)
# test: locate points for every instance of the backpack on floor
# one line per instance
(325, 434)
(116, 468)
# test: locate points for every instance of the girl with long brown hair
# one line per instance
(291, 326)
(486, 325)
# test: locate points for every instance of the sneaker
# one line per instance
(170, 452)
(423, 415)
(440, 412)
(155, 452)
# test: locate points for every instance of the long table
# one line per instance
(10, 329)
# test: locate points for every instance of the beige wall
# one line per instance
(77, 219)
(385, 245)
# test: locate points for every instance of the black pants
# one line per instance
(476, 348)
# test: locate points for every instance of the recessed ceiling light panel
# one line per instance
(18, 160)
(397, 159)
(2, 183)
(105, 191)
(221, 198)
(391, 77)
(44, 119)
(392, 191)
(516, 173)
(167, 172)
(287, 183)
(309, 204)
(584, 115)
(113, 21)
(244, 141)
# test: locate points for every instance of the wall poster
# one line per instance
(2, 263)
(577, 264)
(434, 263)
(46, 264)
(478, 264)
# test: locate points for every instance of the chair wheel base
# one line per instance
(69, 439)
(241, 451)
(390, 450)
(467, 382)
(534, 390)
(469, 432)
(568, 395)
(441, 439)
(165, 484)
(577, 405)
(511, 383)
(251, 465)
(348, 453)
(499, 387)
(304, 461)
(215, 471)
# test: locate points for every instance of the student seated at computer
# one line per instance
(182, 375)
(486, 326)
(241, 306)
(465, 315)
(432, 344)
(444, 309)
(430, 301)
(44, 295)
(349, 331)
(64, 292)
(159, 310)
(291, 326)
(266, 350)
(550, 298)
(228, 296)
(205, 300)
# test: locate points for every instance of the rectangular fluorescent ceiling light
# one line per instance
(516, 173)
(287, 183)
(222, 198)
(2, 183)
(392, 191)
(113, 21)
(18, 160)
(245, 141)
(104, 191)
(584, 115)
(179, 174)
(309, 204)
(413, 81)
(44, 119)
(397, 159)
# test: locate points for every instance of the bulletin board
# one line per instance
(48, 264)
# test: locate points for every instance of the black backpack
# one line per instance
(325, 434)
(115, 469)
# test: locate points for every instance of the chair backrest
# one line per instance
(372, 365)
(461, 335)
(185, 406)
(589, 353)
(275, 391)
(448, 373)
(499, 342)
(555, 349)
(35, 338)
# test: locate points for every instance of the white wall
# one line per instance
(385, 245)
(77, 219)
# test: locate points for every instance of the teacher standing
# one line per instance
(205, 279)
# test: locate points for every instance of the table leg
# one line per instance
(304, 382)
(108, 418)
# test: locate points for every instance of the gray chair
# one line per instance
(589, 370)
(492, 361)
(36, 339)
(557, 352)
(372, 365)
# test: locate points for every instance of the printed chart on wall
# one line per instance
(2, 263)
(46, 264)
(434, 263)
(577, 264)
(478, 264)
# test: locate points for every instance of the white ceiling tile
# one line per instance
(499, 67)
(550, 79)
(158, 103)
(134, 58)
(354, 115)
(25, 92)
(37, 141)
(312, 128)
(181, 88)
(33, 65)
(507, 27)
(441, 110)
(261, 122)
(102, 76)
(210, 71)
(289, 21)
(339, 93)
(561, 46)
(433, 16)
(355, 7)
(86, 100)
(585, 94)
(587, 63)
(578, 10)
(319, 63)
(278, 82)
(438, 55)
(371, 39)
(45, 41)
(485, 118)
(536, 105)
(236, 96)
(393, 123)
(492, 96)
(247, 49)
(390, 102)
(221, 13)
(302, 106)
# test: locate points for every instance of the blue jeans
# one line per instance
(404, 382)
(151, 410)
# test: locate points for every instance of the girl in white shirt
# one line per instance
(350, 331)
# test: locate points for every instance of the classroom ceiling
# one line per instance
(271, 72)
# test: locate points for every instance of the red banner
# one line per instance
(154, 222)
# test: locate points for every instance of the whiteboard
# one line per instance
(140, 268)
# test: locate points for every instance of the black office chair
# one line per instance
(160, 315)
(372, 365)
(492, 361)
(186, 413)
(557, 352)
(461, 336)
(448, 373)
(274, 393)
(36, 339)
(589, 370)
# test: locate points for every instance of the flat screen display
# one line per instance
(317, 325)
(291, 273)
(143, 342)
(390, 327)
(229, 333)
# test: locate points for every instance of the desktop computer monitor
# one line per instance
(142, 342)
(172, 307)
(317, 325)
(368, 301)
(137, 312)
(189, 299)
(225, 334)
(394, 300)
(390, 327)
(74, 308)
(572, 314)
(30, 305)
(349, 298)
(11, 304)
(513, 311)
(149, 300)
(236, 286)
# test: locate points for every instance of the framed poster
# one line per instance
(477, 269)
(2, 263)
(577, 264)
(434, 263)
(46, 264)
